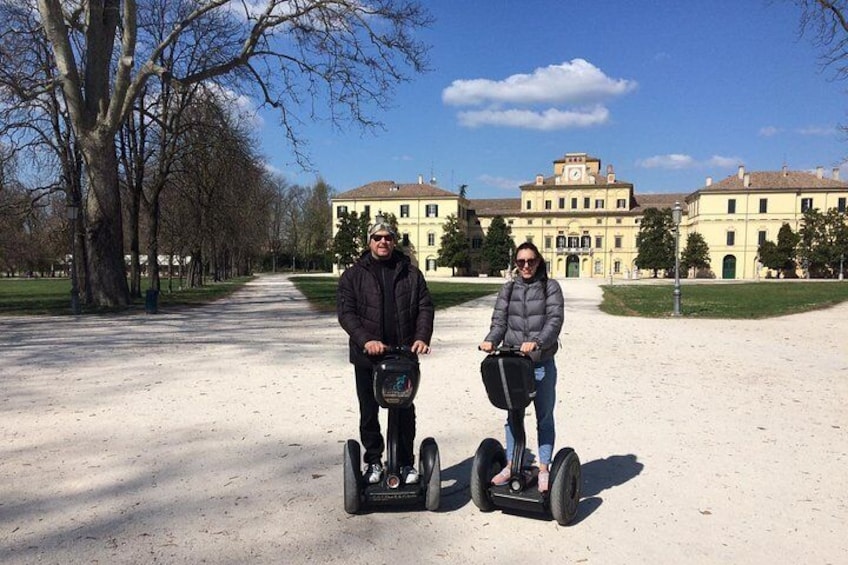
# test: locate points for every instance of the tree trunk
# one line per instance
(104, 229)
(194, 276)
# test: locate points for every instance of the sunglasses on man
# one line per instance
(381, 237)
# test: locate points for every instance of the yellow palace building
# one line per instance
(585, 221)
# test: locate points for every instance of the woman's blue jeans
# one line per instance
(546, 378)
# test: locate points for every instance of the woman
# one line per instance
(529, 313)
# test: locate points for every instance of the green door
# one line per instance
(728, 267)
(572, 267)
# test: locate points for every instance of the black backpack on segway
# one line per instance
(510, 384)
(395, 379)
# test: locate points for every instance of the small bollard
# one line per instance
(151, 301)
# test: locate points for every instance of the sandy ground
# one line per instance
(215, 436)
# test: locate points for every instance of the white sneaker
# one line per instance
(373, 473)
(410, 475)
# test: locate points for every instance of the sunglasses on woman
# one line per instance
(525, 262)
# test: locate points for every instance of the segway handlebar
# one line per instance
(396, 349)
(503, 349)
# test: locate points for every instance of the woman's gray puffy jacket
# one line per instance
(529, 311)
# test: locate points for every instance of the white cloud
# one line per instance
(670, 161)
(678, 161)
(821, 131)
(817, 131)
(242, 108)
(573, 92)
(551, 119)
(577, 81)
(724, 162)
(501, 183)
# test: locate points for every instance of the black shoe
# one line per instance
(373, 473)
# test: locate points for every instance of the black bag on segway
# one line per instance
(396, 380)
(509, 380)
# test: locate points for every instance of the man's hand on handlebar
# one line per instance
(375, 347)
(420, 347)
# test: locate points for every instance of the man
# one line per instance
(383, 301)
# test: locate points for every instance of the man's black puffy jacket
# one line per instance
(360, 305)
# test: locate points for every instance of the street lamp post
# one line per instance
(73, 211)
(841, 261)
(677, 216)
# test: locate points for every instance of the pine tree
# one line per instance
(696, 255)
(655, 241)
(348, 240)
(454, 250)
(498, 246)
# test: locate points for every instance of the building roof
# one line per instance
(385, 189)
(600, 180)
(774, 180)
(512, 206)
(658, 201)
(496, 206)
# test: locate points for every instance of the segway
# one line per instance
(395, 379)
(511, 385)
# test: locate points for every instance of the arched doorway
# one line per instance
(728, 267)
(572, 267)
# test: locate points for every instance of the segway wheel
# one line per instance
(352, 477)
(431, 468)
(488, 461)
(565, 486)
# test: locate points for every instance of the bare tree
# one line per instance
(220, 202)
(294, 229)
(318, 218)
(277, 188)
(827, 22)
(346, 53)
(35, 126)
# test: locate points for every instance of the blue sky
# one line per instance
(668, 92)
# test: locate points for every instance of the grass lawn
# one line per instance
(700, 300)
(321, 292)
(53, 296)
(724, 300)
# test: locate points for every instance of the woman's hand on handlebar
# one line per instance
(486, 346)
(529, 346)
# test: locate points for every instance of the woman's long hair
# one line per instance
(542, 269)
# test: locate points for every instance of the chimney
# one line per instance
(709, 181)
(610, 174)
(741, 172)
(835, 174)
(540, 180)
(746, 180)
(420, 179)
(819, 172)
(433, 180)
(785, 170)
